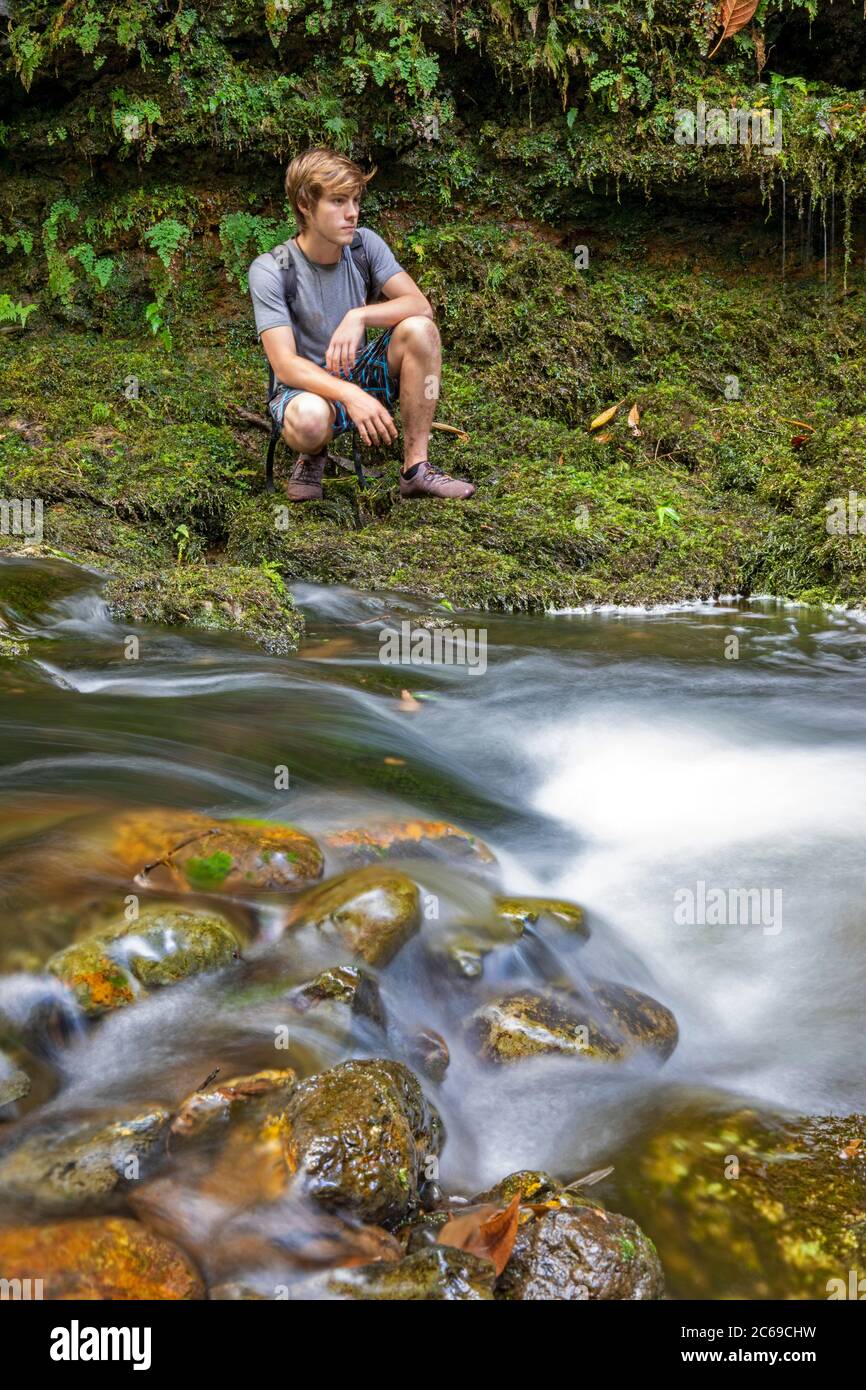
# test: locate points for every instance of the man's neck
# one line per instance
(316, 248)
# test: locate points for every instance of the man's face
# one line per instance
(335, 217)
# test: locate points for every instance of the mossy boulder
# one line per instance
(581, 1253)
(161, 947)
(239, 856)
(371, 912)
(185, 851)
(97, 1258)
(744, 1205)
(435, 1275)
(609, 1024)
(410, 839)
(358, 1136)
(78, 1162)
(220, 598)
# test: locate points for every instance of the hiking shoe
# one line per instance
(429, 481)
(305, 484)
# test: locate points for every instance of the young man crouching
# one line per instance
(327, 379)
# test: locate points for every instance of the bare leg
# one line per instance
(307, 423)
(415, 355)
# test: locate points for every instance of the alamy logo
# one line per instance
(846, 516)
(736, 126)
(856, 1287)
(21, 1289)
(729, 907)
(21, 516)
(438, 646)
(75, 1343)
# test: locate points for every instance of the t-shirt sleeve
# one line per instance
(266, 291)
(381, 259)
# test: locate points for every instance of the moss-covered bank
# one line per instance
(722, 293)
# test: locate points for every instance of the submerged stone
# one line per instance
(343, 992)
(97, 1258)
(435, 1275)
(608, 1026)
(578, 1254)
(210, 1110)
(529, 912)
(751, 1206)
(358, 1136)
(408, 839)
(82, 1161)
(162, 946)
(14, 1081)
(371, 912)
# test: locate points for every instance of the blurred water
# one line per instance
(612, 757)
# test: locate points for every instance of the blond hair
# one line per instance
(321, 171)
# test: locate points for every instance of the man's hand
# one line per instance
(375, 425)
(343, 347)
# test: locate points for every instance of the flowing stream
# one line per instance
(616, 758)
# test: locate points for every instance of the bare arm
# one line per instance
(373, 421)
(403, 299)
(279, 346)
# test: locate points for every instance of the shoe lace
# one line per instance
(310, 470)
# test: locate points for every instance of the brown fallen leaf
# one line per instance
(798, 440)
(603, 438)
(733, 15)
(634, 421)
(604, 417)
(485, 1230)
(850, 1150)
(395, 762)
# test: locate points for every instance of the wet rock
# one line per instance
(238, 856)
(371, 912)
(98, 1259)
(343, 991)
(610, 1025)
(533, 1186)
(408, 839)
(161, 947)
(14, 1081)
(428, 1051)
(358, 1138)
(435, 1275)
(579, 1254)
(424, 1230)
(530, 912)
(82, 1162)
(461, 950)
(743, 1205)
(210, 1110)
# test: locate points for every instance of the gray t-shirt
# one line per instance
(325, 293)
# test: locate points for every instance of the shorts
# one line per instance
(370, 372)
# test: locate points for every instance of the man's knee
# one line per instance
(417, 331)
(307, 422)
